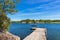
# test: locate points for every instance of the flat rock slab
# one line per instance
(8, 36)
(37, 34)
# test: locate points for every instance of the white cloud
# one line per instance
(50, 6)
(29, 14)
(36, 1)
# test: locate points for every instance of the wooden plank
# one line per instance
(38, 34)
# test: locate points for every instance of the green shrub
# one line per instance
(4, 22)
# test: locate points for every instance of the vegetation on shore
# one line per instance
(37, 21)
(6, 6)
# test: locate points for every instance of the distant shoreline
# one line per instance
(39, 23)
(36, 21)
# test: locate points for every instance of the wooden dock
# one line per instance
(37, 34)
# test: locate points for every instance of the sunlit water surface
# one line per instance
(22, 30)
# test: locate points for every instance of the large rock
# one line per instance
(8, 36)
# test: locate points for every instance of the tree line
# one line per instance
(38, 21)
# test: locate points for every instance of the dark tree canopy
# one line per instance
(4, 22)
(6, 6)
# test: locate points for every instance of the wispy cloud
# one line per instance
(29, 14)
(51, 17)
(38, 9)
(36, 1)
(45, 7)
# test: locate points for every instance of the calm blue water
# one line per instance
(22, 30)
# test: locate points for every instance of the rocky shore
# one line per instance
(8, 36)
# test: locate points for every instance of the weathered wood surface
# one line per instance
(38, 34)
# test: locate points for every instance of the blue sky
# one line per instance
(37, 9)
